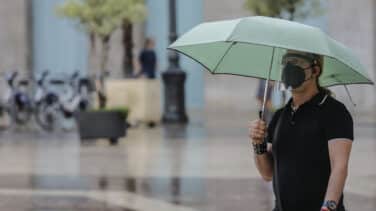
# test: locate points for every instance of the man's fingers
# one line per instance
(260, 124)
(260, 135)
(258, 127)
(257, 130)
(257, 135)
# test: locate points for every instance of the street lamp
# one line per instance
(174, 79)
(29, 36)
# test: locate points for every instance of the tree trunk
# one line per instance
(92, 67)
(128, 48)
(92, 41)
(105, 51)
(292, 12)
(102, 97)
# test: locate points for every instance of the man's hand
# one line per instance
(257, 131)
(264, 163)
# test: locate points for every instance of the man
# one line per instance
(148, 59)
(306, 147)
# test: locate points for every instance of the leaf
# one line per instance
(103, 17)
(289, 9)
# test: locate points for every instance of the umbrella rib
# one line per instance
(347, 90)
(348, 94)
(220, 61)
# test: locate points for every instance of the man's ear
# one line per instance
(316, 70)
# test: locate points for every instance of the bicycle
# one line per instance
(17, 103)
(55, 109)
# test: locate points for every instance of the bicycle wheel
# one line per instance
(4, 118)
(21, 109)
(45, 116)
(21, 116)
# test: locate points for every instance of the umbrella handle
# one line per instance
(262, 112)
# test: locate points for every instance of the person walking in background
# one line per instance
(148, 60)
(306, 147)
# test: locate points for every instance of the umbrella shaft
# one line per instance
(267, 86)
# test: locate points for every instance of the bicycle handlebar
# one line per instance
(42, 78)
(11, 78)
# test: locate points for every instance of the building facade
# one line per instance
(34, 38)
(13, 36)
(354, 25)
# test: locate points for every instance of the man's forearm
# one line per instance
(264, 164)
(336, 185)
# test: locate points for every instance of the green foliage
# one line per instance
(103, 17)
(124, 111)
(269, 8)
(288, 9)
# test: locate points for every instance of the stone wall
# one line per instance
(13, 35)
(13, 39)
(354, 25)
(228, 92)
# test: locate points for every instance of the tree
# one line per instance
(100, 19)
(127, 29)
(135, 12)
(287, 9)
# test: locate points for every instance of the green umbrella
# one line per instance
(254, 47)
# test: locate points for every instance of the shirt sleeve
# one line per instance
(338, 123)
(141, 57)
(272, 125)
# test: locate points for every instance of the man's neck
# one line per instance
(299, 98)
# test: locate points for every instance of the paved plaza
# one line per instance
(205, 166)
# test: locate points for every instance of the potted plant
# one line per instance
(103, 123)
(100, 19)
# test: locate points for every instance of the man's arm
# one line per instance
(264, 164)
(339, 152)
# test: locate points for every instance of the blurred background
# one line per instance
(96, 113)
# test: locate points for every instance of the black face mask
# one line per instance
(293, 76)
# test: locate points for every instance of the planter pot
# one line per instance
(141, 96)
(102, 124)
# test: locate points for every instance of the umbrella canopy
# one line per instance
(254, 47)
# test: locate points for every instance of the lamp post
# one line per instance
(29, 38)
(174, 79)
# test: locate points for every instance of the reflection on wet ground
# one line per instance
(205, 166)
(196, 193)
(183, 193)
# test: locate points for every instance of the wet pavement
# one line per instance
(206, 166)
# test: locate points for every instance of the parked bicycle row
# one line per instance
(52, 101)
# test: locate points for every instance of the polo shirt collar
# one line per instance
(318, 99)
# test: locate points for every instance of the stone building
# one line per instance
(32, 37)
(14, 49)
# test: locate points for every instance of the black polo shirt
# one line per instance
(300, 149)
